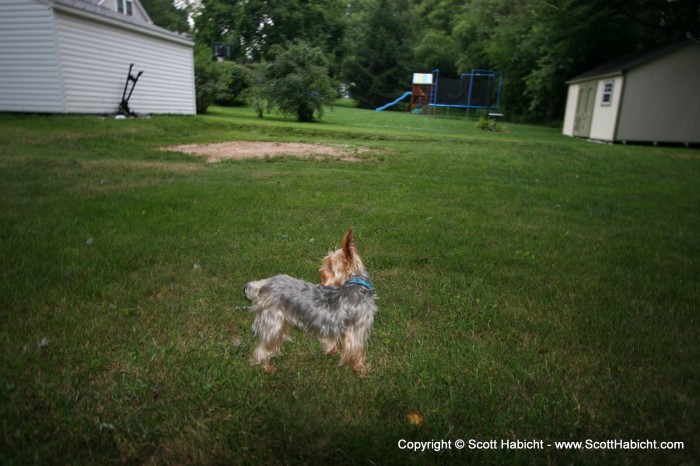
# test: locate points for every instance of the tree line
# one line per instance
(376, 45)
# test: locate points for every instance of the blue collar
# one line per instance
(361, 282)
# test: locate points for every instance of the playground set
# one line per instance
(479, 89)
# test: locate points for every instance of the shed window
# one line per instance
(607, 93)
(125, 7)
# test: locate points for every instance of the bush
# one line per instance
(296, 82)
(210, 79)
(238, 80)
(489, 124)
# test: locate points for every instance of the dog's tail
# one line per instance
(252, 289)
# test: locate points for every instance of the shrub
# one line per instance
(296, 82)
(210, 79)
(238, 80)
(489, 124)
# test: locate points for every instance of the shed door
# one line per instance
(584, 109)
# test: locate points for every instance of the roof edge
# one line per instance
(594, 77)
(147, 29)
(625, 63)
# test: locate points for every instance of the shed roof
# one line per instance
(93, 9)
(627, 62)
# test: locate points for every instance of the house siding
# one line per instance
(96, 58)
(29, 64)
(662, 100)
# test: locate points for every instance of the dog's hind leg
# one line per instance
(330, 344)
(270, 325)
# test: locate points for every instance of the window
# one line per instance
(125, 7)
(607, 93)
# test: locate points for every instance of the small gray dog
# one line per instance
(340, 311)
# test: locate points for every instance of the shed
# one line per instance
(73, 56)
(648, 97)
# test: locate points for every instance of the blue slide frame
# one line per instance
(379, 109)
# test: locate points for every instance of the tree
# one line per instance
(436, 47)
(379, 68)
(537, 44)
(296, 81)
(238, 79)
(254, 27)
(437, 51)
(210, 79)
(163, 13)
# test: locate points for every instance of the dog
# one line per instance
(340, 311)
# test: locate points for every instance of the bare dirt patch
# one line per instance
(248, 149)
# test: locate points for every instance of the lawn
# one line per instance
(531, 287)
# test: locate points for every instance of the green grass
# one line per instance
(531, 286)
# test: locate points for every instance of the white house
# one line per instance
(649, 97)
(73, 56)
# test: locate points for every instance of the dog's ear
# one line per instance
(348, 245)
